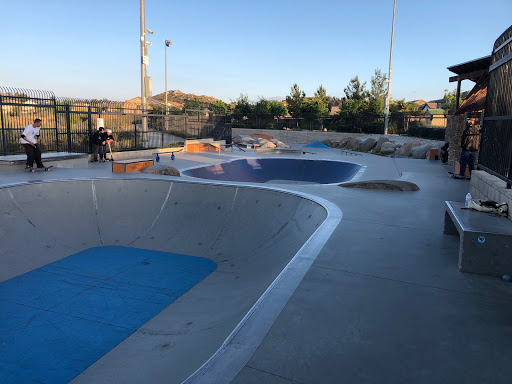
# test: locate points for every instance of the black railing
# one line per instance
(68, 123)
(495, 154)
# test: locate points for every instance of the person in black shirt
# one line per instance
(98, 144)
(469, 143)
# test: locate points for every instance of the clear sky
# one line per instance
(222, 48)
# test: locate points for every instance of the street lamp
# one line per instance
(386, 112)
(167, 43)
(143, 62)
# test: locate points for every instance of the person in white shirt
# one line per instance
(29, 141)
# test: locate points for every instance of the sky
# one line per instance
(224, 48)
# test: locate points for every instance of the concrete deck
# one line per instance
(381, 301)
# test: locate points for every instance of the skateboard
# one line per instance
(47, 169)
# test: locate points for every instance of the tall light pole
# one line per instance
(143, 62)
(388, 98)
(167, 43)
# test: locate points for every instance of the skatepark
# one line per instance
(251, 278)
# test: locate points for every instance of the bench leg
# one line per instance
(449, 227)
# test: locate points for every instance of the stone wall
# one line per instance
(454, 128)
(485, 186)
(306, 137)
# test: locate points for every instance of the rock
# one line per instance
(330, 143)
(343, 142)
(244, 139)
(161, 169)
(280, 144)
(368, 144)
(268, 144)
(381, 141)
(420, 152)
(262, 141)
(353, 143)
(406, 149)
(388, 148)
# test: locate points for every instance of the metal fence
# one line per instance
(412, 124)
(496, 146)
(68, 123)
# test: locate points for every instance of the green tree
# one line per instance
(295, 100)
(219, 107)
(277, 108)
(402, 106)
(351, 107)
(262, 108)
(193, 103)
(321, 94)
(355, 90)
(450, 99)
(377, 92)
(314, 108)
(242, 107)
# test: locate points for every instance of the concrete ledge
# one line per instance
(55, 159)
(485, 240)
(485, 186)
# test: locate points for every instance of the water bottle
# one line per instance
(468, 199)
(506, 277)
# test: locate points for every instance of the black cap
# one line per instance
(101, 129)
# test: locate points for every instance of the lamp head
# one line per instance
(149, 31)
(168, 42)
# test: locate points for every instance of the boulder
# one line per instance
(268, 144)
(244, 139)
(161, 169)
(353, 143)
(388, 148)
(420, 152)
(343, 142)
(368, 144)
(280, 144)
(406, 149)
(330, 143)
(381, 141)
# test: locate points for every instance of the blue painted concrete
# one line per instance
(316, 144)
(59, 319)
(264, 170)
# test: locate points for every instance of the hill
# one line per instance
(179, 97)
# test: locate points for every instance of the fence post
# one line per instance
(509, 182)
(4, 145)
(56, 124)
(89, 126)
(135, 125)
(68, 127)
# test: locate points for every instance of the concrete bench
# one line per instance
(485, 240)
(131, 165)
(55, 159)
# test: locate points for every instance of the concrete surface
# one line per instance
(383, 301)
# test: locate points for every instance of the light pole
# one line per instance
(386, 112)
(143, 61)
(167, 43)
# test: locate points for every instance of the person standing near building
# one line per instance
(29, 141)
(469, 144)
(98, 144)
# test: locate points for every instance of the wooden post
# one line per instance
(457, 96)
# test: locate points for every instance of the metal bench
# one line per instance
(485, 239)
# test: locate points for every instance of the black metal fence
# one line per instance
(409, 124)
(496, 147)
(68, 123)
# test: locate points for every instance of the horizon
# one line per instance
(229, 48)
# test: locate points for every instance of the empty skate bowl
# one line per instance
(277, 170)
(138, 280)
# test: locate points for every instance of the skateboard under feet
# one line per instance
(47, 169)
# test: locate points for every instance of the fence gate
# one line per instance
(495, 154)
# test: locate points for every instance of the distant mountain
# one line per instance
(179, 97)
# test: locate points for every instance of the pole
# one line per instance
(143, 71)
(166, 79)
(386, 112)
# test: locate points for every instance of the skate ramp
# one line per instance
(249, 233)
(277, 170)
